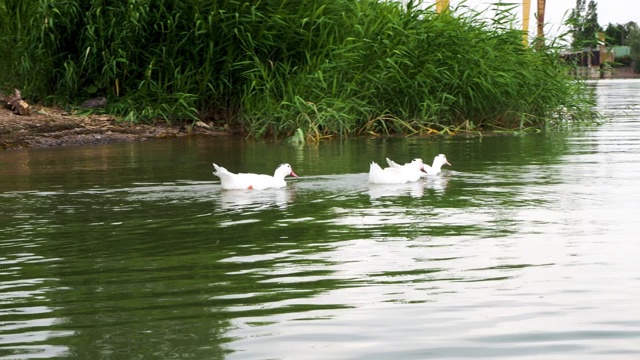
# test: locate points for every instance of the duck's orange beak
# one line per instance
(293, 174)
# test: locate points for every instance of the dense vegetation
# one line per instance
(328, 67)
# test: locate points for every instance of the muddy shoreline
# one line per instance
(50, 127)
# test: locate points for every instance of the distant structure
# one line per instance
(591, 63)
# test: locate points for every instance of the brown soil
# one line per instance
(50, 127)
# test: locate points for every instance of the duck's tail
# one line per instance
(218, 170)
(374, 172)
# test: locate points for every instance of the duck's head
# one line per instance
(441, 159)
(418, 164)
(285, 170)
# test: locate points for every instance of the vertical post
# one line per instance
(540, 21)
(526, 10)
(442, 6)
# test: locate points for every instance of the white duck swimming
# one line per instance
(434, 169)
(247, 181)
(396, 175)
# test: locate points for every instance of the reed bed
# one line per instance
(269, 68)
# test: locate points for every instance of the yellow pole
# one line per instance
(442, 6)
(526, 10)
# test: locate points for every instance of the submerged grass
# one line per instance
(269, 68)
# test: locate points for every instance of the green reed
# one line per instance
(269, 68)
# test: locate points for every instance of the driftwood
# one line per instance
(16, 104)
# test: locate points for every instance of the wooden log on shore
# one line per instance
(16, 103)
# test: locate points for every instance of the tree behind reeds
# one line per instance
(270, 67)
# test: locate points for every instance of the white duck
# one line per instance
(396, 175)
(247, 181)
(434, 169)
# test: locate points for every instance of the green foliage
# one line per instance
(584, 25)
(615, 34)
(330, 68)
(633, 41)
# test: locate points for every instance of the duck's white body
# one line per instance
(434, 169)
(248, 181)
(396, 175)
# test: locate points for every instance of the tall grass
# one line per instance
(271, 67)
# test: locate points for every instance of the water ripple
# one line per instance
(525, 249)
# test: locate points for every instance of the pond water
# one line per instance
(527, 247)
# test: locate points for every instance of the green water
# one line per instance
(525, 248)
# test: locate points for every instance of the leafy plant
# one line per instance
(270, 68)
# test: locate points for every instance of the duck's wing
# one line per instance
(393, 164)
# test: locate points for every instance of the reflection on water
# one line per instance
(526, 250)
(414, 189)
(244, 200)
(26, 299)
(438, 184)
(432, 185)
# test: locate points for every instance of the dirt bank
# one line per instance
(50, 127)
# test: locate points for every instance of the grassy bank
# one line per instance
(271, 67)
